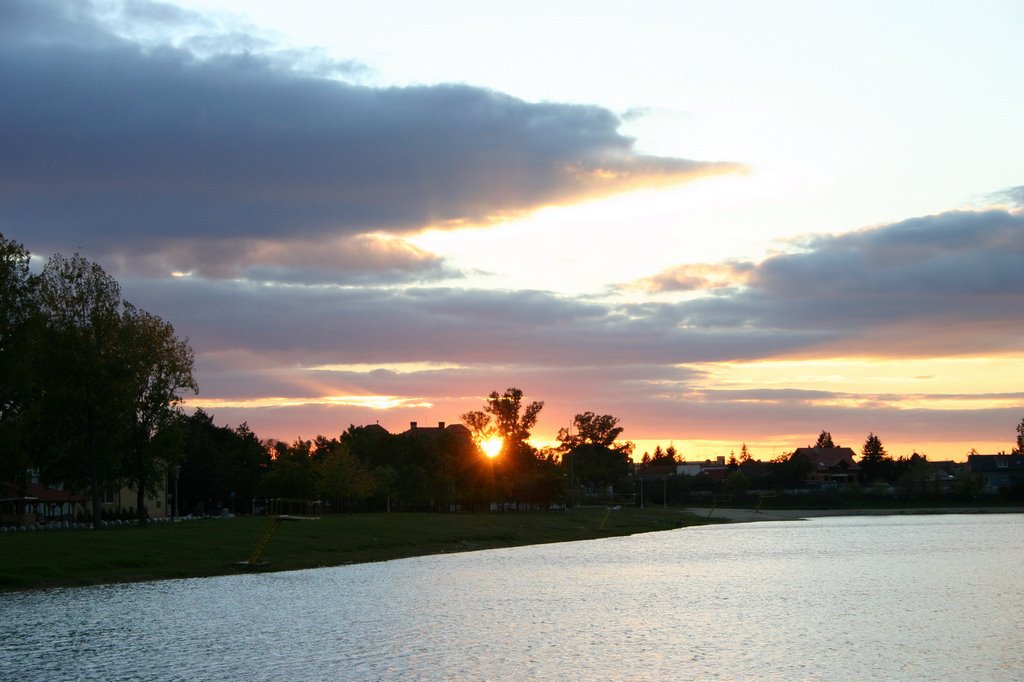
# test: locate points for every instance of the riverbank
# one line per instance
(214, 546)
(750, 515)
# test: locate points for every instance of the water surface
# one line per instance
(922, 597)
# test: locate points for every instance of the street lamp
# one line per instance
(174, 507)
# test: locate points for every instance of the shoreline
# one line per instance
(739, 515)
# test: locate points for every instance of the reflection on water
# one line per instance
(937, 597)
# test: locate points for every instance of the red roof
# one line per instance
(829, 458)
(35, 491)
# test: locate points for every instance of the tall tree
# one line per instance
(873, 458)
(744, 454)
(589, 428)
(158, 367)
(825, 440)
(591, 452)
(83, 407)
(506, 415)
(17, 307)
(1020, 438)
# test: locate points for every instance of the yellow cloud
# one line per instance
(373, 402)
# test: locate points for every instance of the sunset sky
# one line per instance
(722, 222)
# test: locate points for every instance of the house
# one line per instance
(830, 467)
(999, 471)
(457, 429)
(39, 504)
(120, 499)
(710, 468)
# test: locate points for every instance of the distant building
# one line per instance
(999, 471)
(39, 504)
(830, 467)
(457, 429)
(711, 468)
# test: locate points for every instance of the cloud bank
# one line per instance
(127, 146)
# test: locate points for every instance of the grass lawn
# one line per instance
(213, 546)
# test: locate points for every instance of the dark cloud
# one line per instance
(353, 260)
(112, 142)
(948, 283)
(343, 324)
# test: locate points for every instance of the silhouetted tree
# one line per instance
(18, 310)
(292, 472)
(589, 428)
(157, 366)
(342, 478)
(597, 465)
(791, 469)
(85, 404)
(507, 416)
(825, 440)
(1020, 438)
(590, 450)
(219, 463)
(744, 454)
(874, 462)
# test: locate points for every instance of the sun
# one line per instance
(492, 446)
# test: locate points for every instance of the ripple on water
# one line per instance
(838, 598)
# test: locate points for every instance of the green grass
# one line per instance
(214, 546)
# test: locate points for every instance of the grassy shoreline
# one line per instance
(209, 547)
(214, 546)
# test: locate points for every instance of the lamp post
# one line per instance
(174, 507)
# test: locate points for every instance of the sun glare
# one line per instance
(492, 446)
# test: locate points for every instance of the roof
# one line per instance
(829, 458)
(1003, 463)
(655, 470)
(42, 493)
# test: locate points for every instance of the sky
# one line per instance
(722, 222)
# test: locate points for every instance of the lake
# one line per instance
(874, 597)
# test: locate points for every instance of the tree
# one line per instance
(825, 440)
(79, 361)
(219, 463)
(744, 454)
(17, 312)
(1020, 438)
(158, 367)
(792, 468)
(590, 429)
(591, 451)
(505, 415)
(343, 478)
(873, 458)
(479, 423)
(598, 465)
(291, 473)
(109, 377)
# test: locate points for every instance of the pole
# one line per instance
(174, 507)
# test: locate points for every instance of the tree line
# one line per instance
(90, 385)
(428, 469)
(91, 390)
